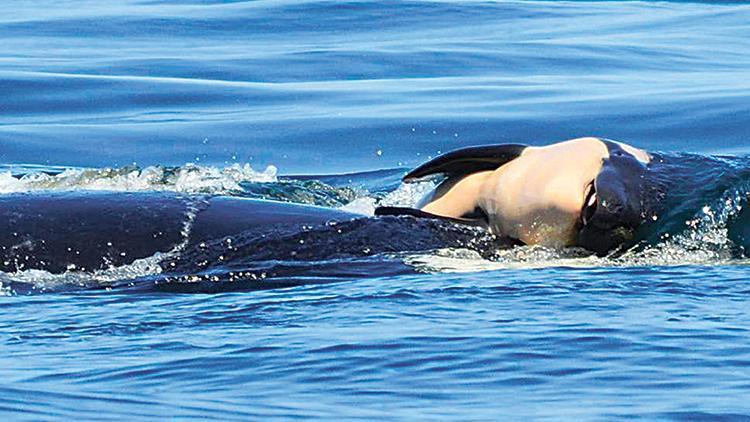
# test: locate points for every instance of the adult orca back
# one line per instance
(88, 231)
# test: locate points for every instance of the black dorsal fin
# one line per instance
(467, 160)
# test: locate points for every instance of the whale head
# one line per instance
(614, 207)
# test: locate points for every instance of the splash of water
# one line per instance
(406, 195)
(705, 239)
(190, 178)
(42, 281)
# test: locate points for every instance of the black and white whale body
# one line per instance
(587, 192)
(88, 231)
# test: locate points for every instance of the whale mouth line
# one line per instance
(589, 203)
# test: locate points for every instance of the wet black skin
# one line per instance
(620, 208)
(89, 231)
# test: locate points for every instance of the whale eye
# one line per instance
(589, 204)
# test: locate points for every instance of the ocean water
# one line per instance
(329, 104)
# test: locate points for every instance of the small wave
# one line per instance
(190, 178)
(406, 195)
(235, 180)
(706, 239)
(39, 281)
(452, 260)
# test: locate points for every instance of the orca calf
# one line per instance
(586, 192)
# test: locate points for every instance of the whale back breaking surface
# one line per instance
(63, 231)
(89, 231)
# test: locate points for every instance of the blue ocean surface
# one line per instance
(329, 103)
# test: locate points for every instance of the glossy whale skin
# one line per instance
(88, 231)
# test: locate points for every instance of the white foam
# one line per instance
(523, 257)
(190, 178)
(364, 205)
(406, 195)
(46, 281)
